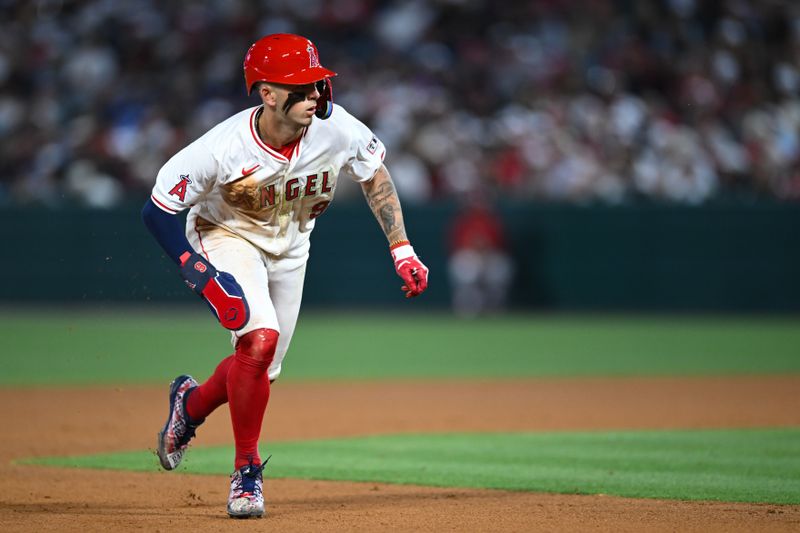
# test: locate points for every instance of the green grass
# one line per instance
(726, 465)
(130, 346)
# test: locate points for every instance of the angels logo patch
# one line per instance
(179, 189)
(372, 146)
(313, 58)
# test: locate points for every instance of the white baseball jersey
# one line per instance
(231, 179)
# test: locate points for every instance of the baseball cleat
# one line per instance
(178, 430)
(246, 498)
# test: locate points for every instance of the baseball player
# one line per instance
(254, 186)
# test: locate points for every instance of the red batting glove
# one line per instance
(410, 269)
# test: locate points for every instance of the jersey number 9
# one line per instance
(318, 209)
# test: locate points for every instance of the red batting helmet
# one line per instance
(283, 58)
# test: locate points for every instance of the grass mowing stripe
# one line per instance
(130, 346)
(751, 465)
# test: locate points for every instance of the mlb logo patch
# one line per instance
(372, 146)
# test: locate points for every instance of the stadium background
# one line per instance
(642, 157)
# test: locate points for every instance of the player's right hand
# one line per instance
(410, 269)
(220, 290)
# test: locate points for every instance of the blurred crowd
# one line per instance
(552, 100)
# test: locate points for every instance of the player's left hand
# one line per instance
(220, 290)
(412, 271)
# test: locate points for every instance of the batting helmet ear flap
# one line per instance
(325, 100)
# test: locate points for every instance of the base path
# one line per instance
(44, 421)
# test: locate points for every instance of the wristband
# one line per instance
(196, 271)
(402, 251)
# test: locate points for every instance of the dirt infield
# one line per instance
(75, 421)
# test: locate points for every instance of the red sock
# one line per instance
(248, 394)
(211, 394)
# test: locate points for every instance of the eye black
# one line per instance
(292, 99)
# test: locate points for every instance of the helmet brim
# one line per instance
(305, 76)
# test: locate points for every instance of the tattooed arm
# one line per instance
(385, 204)
(382, 199)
